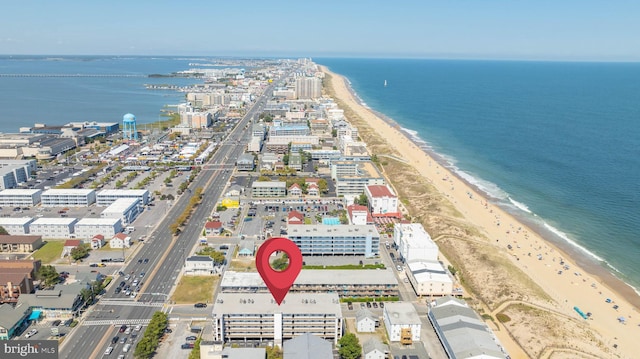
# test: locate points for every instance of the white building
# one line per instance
(16, 226)
(89, 227)
(126, 209)
(20, 197)
(374, 349)
(402, 322)
(429, 278)
(382, 201)
(352, 177)
(321, 239)
(120, 240)
(106, 197)
(414, 243)
(68, 197)
(256, 316)
(53, 227)
(199, 265)
(365, 321)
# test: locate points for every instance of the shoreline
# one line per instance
(584, 258)
(531, 249)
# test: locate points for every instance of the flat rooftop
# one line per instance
(232, 279)
(121, 205)
(15, 220)
(68, 192)
(19, 192)
(344, 230)
(263, 303)
(122, 192)
(97, 221)
(53, 221)
(402, 313)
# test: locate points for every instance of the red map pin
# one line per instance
(279, 282)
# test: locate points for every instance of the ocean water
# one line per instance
(25, 101)
(557, 144)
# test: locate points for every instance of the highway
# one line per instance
(166, 254)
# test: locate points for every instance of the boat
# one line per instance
(385, 83)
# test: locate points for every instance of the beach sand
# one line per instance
(510, 271)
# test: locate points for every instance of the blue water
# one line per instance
(555, 143)
(25, 101)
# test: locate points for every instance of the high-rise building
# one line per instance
(308, 87)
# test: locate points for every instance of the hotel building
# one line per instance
(414, 243)
(320, 239)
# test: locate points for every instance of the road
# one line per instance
(166, 255)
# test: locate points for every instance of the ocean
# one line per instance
(555, 143)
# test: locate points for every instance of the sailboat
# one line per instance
(385, 83)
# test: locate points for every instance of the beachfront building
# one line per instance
(87, 228)
(106, 197)
(345, 283)
(461, 331)
(429, 278)
(352, 177)
(268, 189)
(20, 197)
(257, 317)
(307, 346)
(16, 225)
(414, 243)
(382, 201)
(19, 243)
(290, 132)
(308, 87)
(125, 209)
(321, 239)
(402, 322)
(68, 197)
(52, 227)
(199, 265)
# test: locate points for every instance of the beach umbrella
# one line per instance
(621, 319)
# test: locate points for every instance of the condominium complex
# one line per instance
(429, 278)
(53, 227)
(126, 209)
(106, 197)
(16, 225)
(269, 189)
(86, 228)
(308, 88)
(352, 177)
(68, 197)
(323, 239)
(345, 283)
(256, 316)
(20, 197)
(414, 243)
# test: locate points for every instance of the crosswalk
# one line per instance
(131, 303)
(116, 322)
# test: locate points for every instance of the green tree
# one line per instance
(350, 347)
(280, 263)
(274, 352)
(323, 186)
(3, 231)
(195, 352)
(48, 275)
(80, 252)
(362, 200)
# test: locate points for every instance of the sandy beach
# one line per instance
(525, 286)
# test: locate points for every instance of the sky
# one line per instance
(591, 30)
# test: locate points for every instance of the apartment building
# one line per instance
(106, 197)
(68, 197)
(268, 189)
(20, 197)
(16, 225)
(414, 243)
(126, 209)
(352, 177)
(87, 228)
(50, 228)
(382, 201)
(19, 243)
(257, 317)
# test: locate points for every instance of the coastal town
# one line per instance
(136, 240)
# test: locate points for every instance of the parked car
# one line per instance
(200, 305)
(187, 346)
(56, 322)
(190, 338)
(31, 333)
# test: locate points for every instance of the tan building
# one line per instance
(20, 244)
